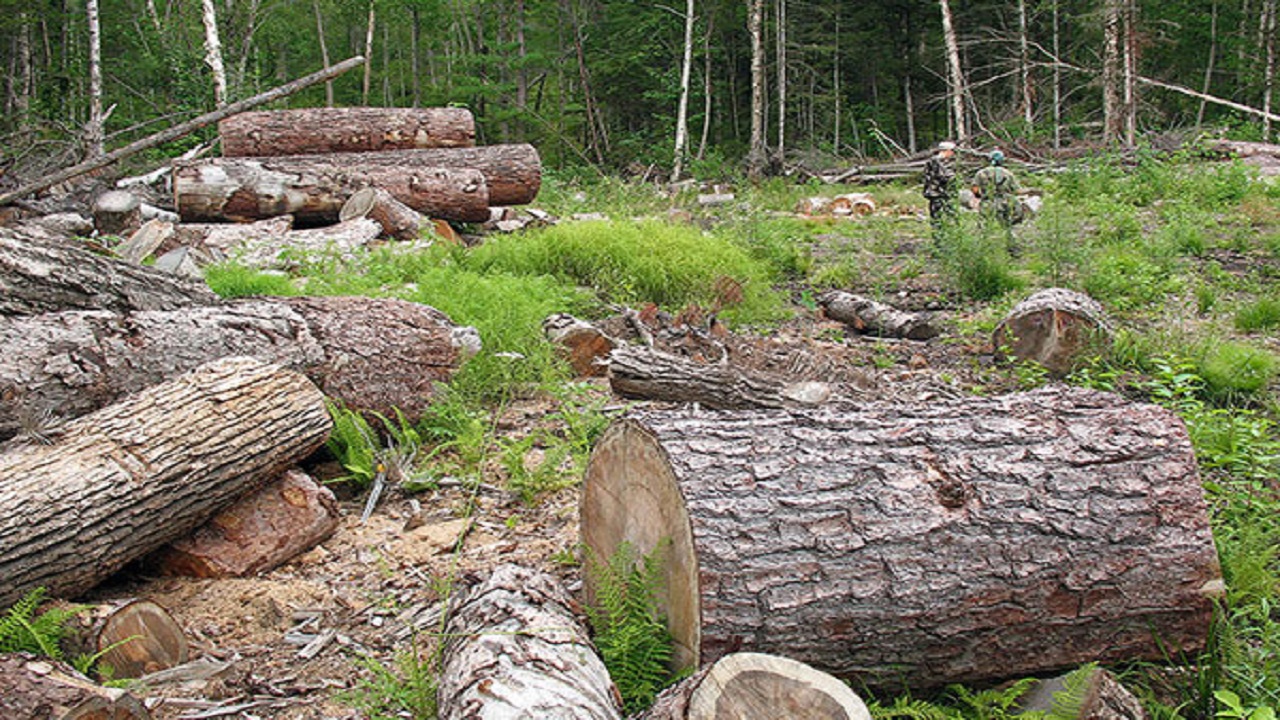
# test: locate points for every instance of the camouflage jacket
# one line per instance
(995, 183)
(939, 178)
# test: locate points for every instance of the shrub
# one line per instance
(1232, 369)
(976, 261)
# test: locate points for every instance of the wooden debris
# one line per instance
(868, 316)
(121, 482)
(133, 637)
(143, 243)
(515, 649)
(643, 373)
(853, 204)
(218, 239)
(41, 689)
(962, 541)
(396, 219)
(286, 251)
(584, 345)
(319, 130)
(1055, 328)
(117, 212)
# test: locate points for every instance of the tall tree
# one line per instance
(213, 52)
(780, 60)
(95, 136)
(368, 55)
(682, 112)
(756, 155)
(324, 52)
(955, 73)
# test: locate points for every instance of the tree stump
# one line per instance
(134, 636)
(117, 212)
(1053, 327)
(585, 346)
(34, 688)
(121, 482)
(516, 651)
(963, 541)
(396, 219)
(313, 131)
(261, 531)
(868, 316)
(750, 686)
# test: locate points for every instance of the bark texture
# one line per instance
(117, 212)
(396, 219)
(372, 354)
(749, 686)
(284, 251)
(516, 651)
(34, 688)
(642, 373)
(966, 540)
(39, 277)
(582, 344)
(1053, 327)
(313, 188)
(306, 131)
(866, 315)
(261, 531)
(217, 239)
(135, 636)
(121, 482)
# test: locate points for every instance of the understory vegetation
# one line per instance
(1184, 255)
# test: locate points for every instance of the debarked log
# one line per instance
(866, 315)
(916, 546)
(371, 354)
(303, 131)
(121, 482)
(515, 649)
(32, 687)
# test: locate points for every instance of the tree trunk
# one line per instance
(282, 251)
(968, 540)
(780, 66)
(135, 637)
(324, 52)
(1269, 67)
(117, 212)
(122, 482)
(40, 277)
(1112, 71)
(261, 531)
(866, 315)
(310, 131)
(95, 134)
(954, 72)
(641, 373)
(213, 52)
(1057, 77)
(515, 649)
(753, 685)
(1055, 328)
(372, 354)
(314, 188)
(368, 53)
(757, 152)
(396, 219)
(1207, 85)
(1024, 67)
(32, 687)
(682, 109)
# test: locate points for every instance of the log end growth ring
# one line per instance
(745, 686)
(630, 495)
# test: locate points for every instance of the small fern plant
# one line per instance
(629, 632)
(24, 628)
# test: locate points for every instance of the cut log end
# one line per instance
(135, 637)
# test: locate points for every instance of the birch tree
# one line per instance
(755, 26)
(955, 72)
(94, 135)
(682, 111)
(213, 52)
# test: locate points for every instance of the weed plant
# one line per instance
(975, 259)
(1258, 314)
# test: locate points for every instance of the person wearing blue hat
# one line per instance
(997, 190)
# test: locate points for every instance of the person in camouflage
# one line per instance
(939, 183)
(997, 189)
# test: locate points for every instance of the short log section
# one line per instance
(121, 482)
(961, 541)
(1054, 327)
(869, 316)
(304, 131)
(515, 650)
(134, 637)
(39, 689)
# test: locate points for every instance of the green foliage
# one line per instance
(976, 261)
(958, 702)
(232, 280)
(632, 638)
(1235, 370)
(24, 628)
(1258, 314)
(1231, 706)
(1125, 277)
(354, 443)
(562, 447)
(407, 689)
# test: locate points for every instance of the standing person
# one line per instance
(939, 183)
(997, 189)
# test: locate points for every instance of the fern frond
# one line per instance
(23, 629)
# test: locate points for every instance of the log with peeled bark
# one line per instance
(261, 531)
(961, 541)
(217, 239)
(866, 315)
(515, 650)
(396, 219)
(1054, 327)
(750, 686)
(310, 131)
(33, 688)
(313, 188)
(133, 637)
(371, 354)
(287, 250)
(39, 277)
(642, 373)
(122, 482)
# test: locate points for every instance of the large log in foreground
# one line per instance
(38, 277)
(121, 482)
(303, 131)
(34, 688)
(372, 354)
(515, 649)
(962, 541)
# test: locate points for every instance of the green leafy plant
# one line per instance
(1231, 706)
(25, 628)
(1259, 314)
(405, 689)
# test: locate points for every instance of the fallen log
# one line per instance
(261, 531)
(642, 373)
(117, 212)
(396, 219)
(515, 649)
(896, 546)
(41, 689)
(309, 131)
(372, 354)
(868, 316)
(121, 482)
(313, 188)
(585, 346)
(287, 250)
(131, 638)
(39, 277)
(1053, 327)
(144, 242)
(217, 239)
(746, 686)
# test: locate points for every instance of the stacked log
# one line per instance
(303, 131)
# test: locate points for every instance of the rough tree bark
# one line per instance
(642, 373)
(372, 354)
(866, 315)
(117, 212)
(282, 251)
(121, 482)
(306, 131)
(515, 649)
(758, 152)
(968, 540)
(753, 685)
(1053, 327)
(32, 687)
(39, 277)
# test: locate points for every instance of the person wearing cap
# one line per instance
(939, 183)
(997, 190)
